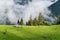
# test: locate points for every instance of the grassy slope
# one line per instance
(30, 33)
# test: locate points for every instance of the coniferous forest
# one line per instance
(39, 21)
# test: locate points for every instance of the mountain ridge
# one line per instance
(55, 8)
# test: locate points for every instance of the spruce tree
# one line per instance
(18, 22)
(40, 19)
(21, 21)
(35, 21)
(58, 20)
(7, 21)
(30, 22)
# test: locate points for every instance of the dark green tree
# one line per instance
(7, 21)
(58, 20)
(21, 21)
(30, 22)
(35, 21)
(40, 19)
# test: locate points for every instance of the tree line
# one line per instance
(38, 21)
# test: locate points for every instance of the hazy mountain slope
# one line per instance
(55, 8)
(12, 10)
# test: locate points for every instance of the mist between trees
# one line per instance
(38, 21)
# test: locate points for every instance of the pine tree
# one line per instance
(35, 21)
(30, 22)
(21, 21)
(18, 22)
(7, 21)
(40, 19)
(58, 20)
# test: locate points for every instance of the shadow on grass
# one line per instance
(27, 35)
(33, 36)
(9, 36)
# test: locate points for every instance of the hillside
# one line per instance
(55, 8)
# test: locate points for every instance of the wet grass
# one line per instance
(9, 32)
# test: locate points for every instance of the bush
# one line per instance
(5, 31)
(47, 23)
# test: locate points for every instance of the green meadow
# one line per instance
(10, 32)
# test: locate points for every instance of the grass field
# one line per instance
(30, 32)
